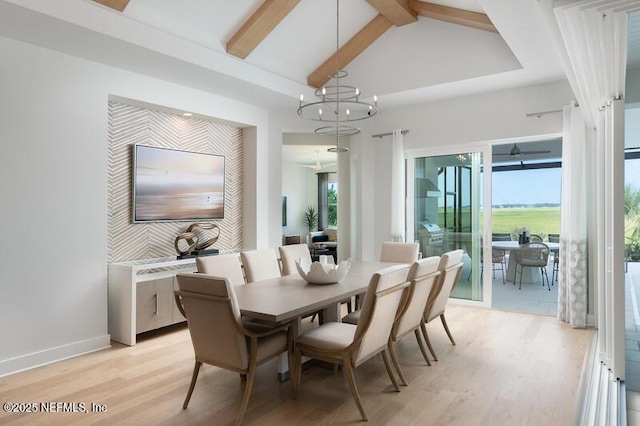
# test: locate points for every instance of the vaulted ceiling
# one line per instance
(268, 52)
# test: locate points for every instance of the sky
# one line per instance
(527, 187)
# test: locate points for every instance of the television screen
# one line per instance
(169, 184)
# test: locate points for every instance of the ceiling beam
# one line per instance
(258, 26)
(349, 51)
(475, 20)
(118, 5)
(396, 11)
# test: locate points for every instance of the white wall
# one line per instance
(53, 186)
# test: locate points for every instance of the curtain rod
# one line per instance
(379, 135)
(541, 113)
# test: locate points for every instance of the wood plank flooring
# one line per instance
(506, 369)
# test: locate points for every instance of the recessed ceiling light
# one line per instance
(187, 114)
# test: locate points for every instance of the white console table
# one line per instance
(141, 296)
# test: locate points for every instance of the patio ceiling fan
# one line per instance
(517, 152)
(318, 165)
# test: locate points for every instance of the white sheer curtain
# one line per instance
(572, 279)
(397, 186)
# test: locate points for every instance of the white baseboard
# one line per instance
(51, 355)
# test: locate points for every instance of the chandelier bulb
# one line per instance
(320, 112)
(348, 113)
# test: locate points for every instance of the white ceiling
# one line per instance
(184, 42)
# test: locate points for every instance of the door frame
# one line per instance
(485, 149)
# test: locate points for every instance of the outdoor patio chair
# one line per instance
(533, 255)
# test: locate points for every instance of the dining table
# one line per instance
(290, 298)
(529, 275)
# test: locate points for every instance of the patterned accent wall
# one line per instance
(129, 125)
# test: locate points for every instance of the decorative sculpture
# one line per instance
(197, 237)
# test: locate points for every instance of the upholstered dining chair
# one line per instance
(450, 267)
(351, 345)
(399, 252)
(533, 255)
(289, 254)
(220, 338)
(260, 264)
(223, 265)
(422, 276)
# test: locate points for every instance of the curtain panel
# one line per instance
(397, 187)
(572, 278)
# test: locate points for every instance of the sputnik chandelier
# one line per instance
(337, 104)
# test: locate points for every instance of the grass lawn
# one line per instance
(539, 220)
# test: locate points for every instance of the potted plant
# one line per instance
(310, 219)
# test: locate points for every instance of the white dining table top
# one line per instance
(285, 298)
(514, 245)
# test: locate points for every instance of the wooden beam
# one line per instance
(396, 11)
(351, 49)
(258, 26)
(476, 20)
(118, 5)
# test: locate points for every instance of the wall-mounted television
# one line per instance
(173, 185)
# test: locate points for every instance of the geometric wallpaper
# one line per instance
(130, 125)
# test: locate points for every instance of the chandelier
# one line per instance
(338, 104)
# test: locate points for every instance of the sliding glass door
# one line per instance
(444, 212)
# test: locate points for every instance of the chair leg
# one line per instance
(543, 272)
(387, 365)
(296, 373)
(348, 370)
(521, 271)
(446, 328)
(426, 339)
(194, 377)
(396, 365)
(251, 375)
(422, 348)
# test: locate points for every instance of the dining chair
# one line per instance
(289, 254)
(450, 267)
(351, 345)
(399, 252)
(422, 276)
(220, 338)
(260, 264)
(533, 255)
(223, 265)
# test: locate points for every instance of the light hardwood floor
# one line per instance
(506, 369)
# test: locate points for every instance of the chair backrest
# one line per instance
(422, 276)
(260, 264)
(535, 238)
(379, 309)
(554, 238)
(213, 317)
(533, 254)
(223, 265)
(501, 237)
(289, 254)
(399, 252)
(450, 268)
